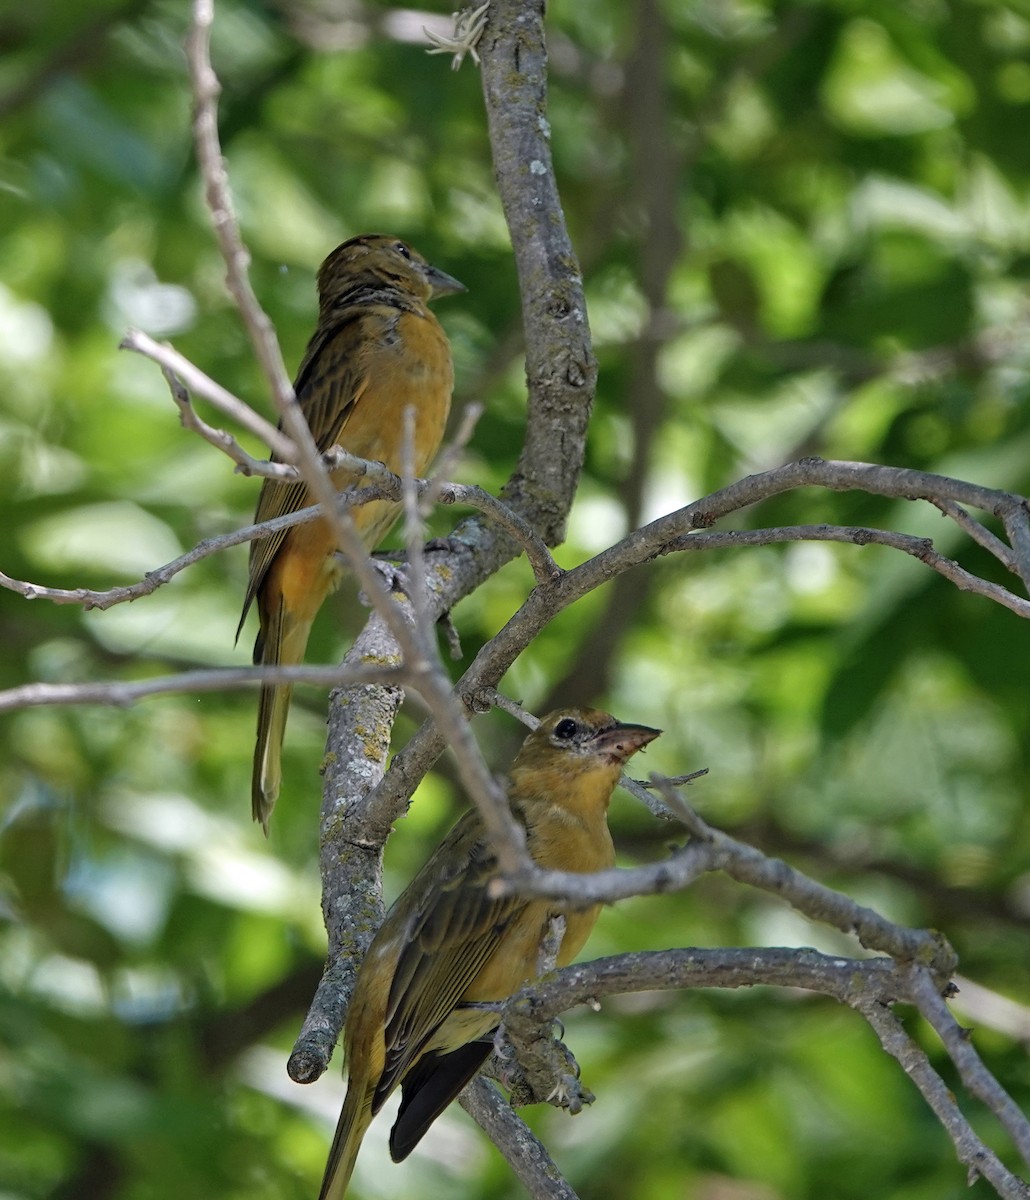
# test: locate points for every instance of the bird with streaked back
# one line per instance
(424, 1007)
(377, 348)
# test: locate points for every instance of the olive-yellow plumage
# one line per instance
(376, 350)
(447, 945)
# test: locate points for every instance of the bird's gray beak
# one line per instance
(621, 742)
(442, 283)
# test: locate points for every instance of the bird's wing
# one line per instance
(452, 930)
(332, 379)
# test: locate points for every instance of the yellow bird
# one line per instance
(448, 946)
(376, 350)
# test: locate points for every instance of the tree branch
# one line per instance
(869, 986)
(913, 1061)
(683, 530)
(918, 547)
(524, 1152)
(218, 195)
(975, 1075)
(396, 648)
(560, 367)
(120, 694)
(661, 537)
(177, 366)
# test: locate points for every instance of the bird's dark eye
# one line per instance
(402, 250)
(566, 728)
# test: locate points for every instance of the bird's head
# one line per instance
(575, 744)
(378, 260)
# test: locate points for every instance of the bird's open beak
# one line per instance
(442, 283)
(622, 741)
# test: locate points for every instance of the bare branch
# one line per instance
(194, 380)
(561, 372)
(217, 193)
(449, 458)
(525, 1153)
(663, 536)
(560, 365)
(980, 1159)
(918, 547)
(649, 792)
(206, 88)
(246, 464)
(383, 484)
(869, 986)
(492, 697)
(119, 694)
(414, 535)
(540, 558)
(844, 979)
(982, 536)
(748, 865)
(161, 575)
(712, 850)
(975, 1075)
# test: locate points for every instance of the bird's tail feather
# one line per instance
(350, 1129)
(273, 706)
(429, 1087)
(281, 642)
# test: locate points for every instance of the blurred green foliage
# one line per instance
(805, 229)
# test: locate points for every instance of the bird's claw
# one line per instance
(569, 1093)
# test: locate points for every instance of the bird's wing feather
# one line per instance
(448, 938)
(327, 398)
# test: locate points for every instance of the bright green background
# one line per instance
(851, 186)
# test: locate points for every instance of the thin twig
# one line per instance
(748, 865)
(869, 986)
(246, 464)
(120, 694)
(449, 458)
(217, 193)
(561, 372)
(921, 548)
(549, 599)
(414, 534)
(491, 697)
(978, 532)
(979, 1158)
(649, 793)
(427, 673)
(195, 381)
(537, 553)
(497, 655)
(975, 1075)
(108, 598)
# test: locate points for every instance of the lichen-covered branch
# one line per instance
(560, 367)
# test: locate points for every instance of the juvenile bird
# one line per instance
(376, 350)
(447, 946)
